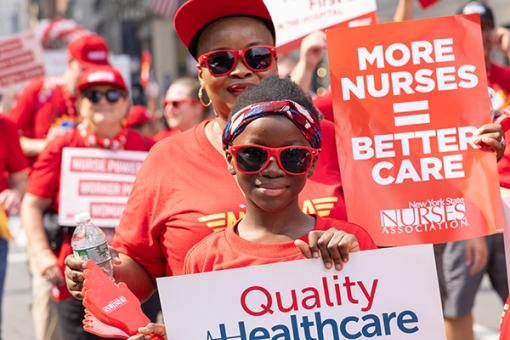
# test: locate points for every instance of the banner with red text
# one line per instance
(294, 19)
(97, 181)
(380, 294)
(21, 59)
(408, 98)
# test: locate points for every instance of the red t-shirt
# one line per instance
(11, 157)
(499, 79)
(165, 133)
(44, 179)
(183, 192)
(40, 105)
(226, 250)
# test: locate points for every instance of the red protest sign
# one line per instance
(426, 3)
(20, 59)
(407, 99)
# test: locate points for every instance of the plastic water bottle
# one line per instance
(89, 243)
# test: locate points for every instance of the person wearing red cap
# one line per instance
(140, 120)
(102, 104)
(184, 196)
(46, 107)
(187, 192)
(182, 108)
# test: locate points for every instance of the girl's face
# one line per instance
(233, 33)
(271, 190)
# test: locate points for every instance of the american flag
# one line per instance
(165, 8)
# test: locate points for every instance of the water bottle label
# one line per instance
(99, 254)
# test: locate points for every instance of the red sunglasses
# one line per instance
(253, 159)
(177, 103)
(222, 62)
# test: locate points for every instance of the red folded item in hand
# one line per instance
(112, 304)
(92, 325)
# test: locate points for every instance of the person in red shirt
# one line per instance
(184, 183)
(271, 143)
(182, 108)
(183, 191)
(47, 107)
(103, 104)
(13, 177)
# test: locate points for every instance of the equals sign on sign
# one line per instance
(411, 113)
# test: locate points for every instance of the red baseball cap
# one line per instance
(101, 75)
(138, 114)
(194, 15)
(89, 50)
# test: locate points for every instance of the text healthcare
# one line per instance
(306, 308)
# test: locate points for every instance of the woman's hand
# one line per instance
(491, 137)
(74, 276)
(74, 273)
(152, 329)
(332, 245)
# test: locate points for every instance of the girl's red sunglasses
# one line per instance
(222, 62)
(253, 159)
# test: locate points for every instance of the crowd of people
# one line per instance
(247, 140)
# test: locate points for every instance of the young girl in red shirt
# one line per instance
(271, 143)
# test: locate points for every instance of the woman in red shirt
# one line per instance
(182, 109)
(183, 191)
(103, 104)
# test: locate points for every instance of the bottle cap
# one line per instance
(82, 217)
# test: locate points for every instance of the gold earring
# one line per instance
(201, 97)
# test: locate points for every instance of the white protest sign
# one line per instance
(380, 294)
(21, 59)
(98, 181)
(294, 19)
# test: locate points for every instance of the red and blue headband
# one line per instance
(307, 123)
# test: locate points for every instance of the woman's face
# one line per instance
(233, 33)
(103, 112)
(181, 111)
(271, 190)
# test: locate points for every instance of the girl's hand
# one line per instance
(151, 331)
(332, 245)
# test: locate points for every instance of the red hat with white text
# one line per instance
(101, 75)
(89, 50)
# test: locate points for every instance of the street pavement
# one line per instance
(17, 321)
